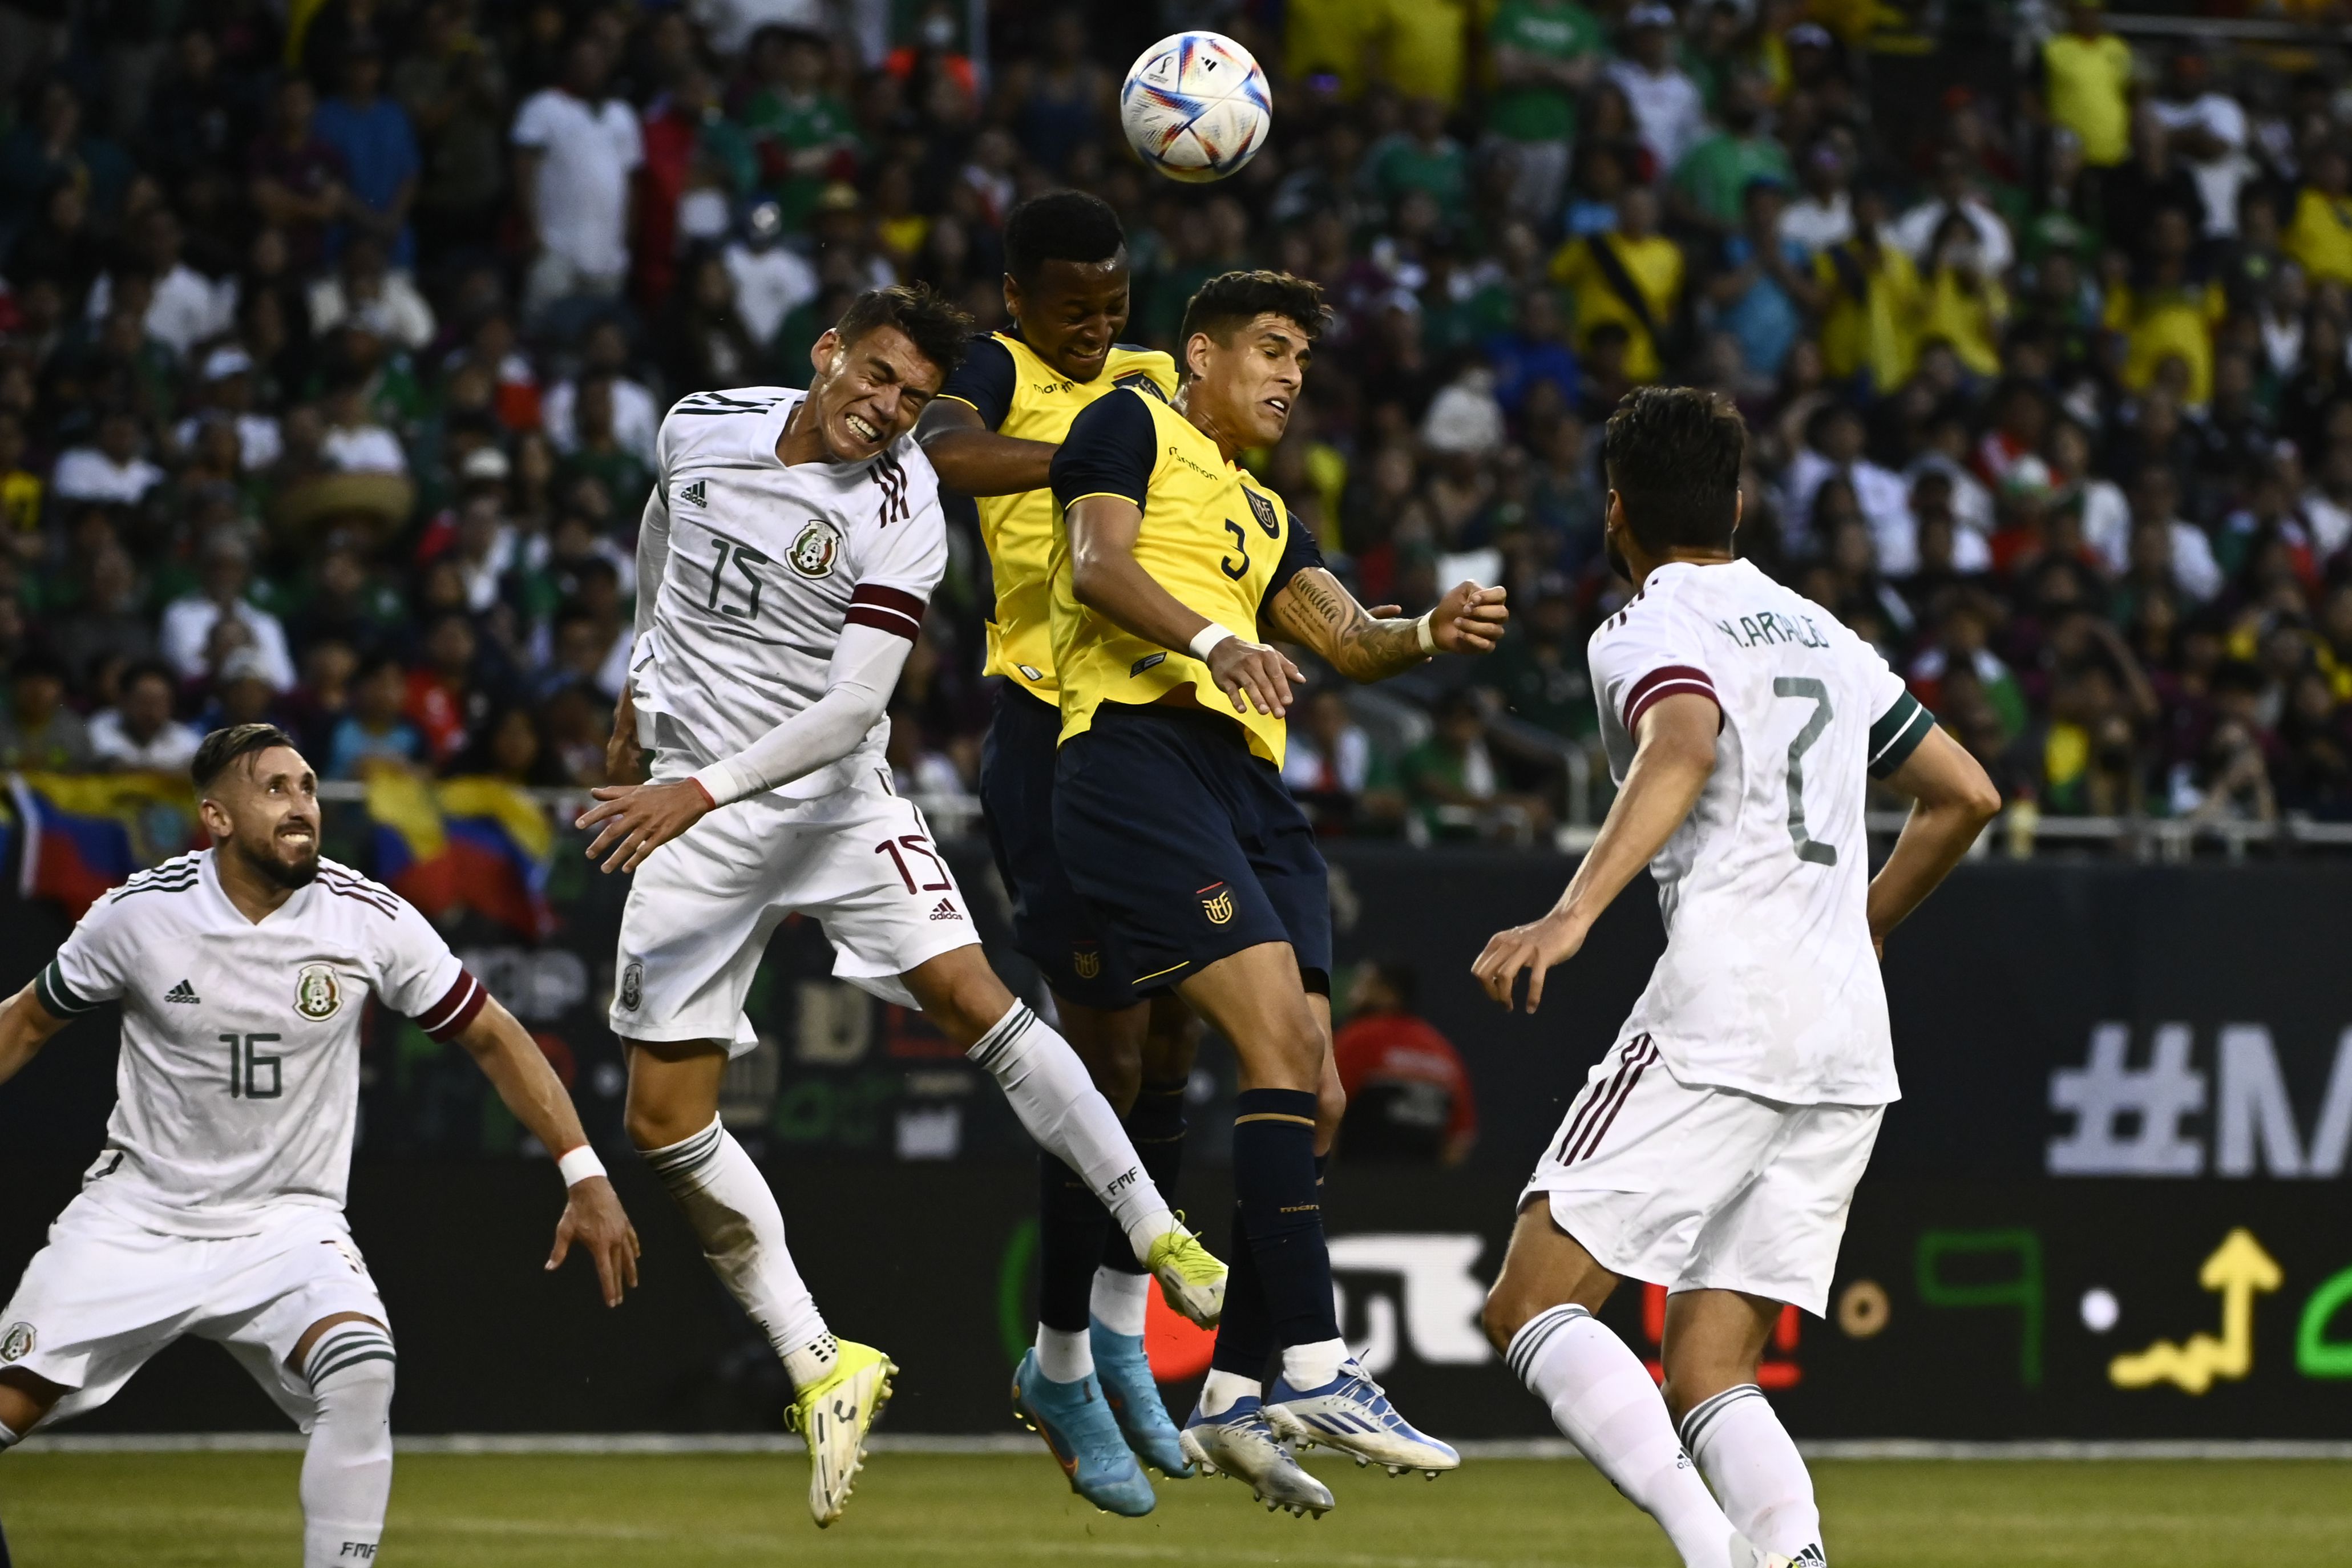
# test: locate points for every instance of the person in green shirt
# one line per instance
(1546, 53)
(1539, 673)
(1710, 185)
(798, 126)
(1422, 157)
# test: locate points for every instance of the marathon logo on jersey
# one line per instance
(816, 549)
(318, 994)
(17, 1342)
(632, 985)
(1139, 381)
(693, 494)
(1217, 903)
(1262, 508)
(946, 912)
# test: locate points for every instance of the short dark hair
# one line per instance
(1232, 299)
(222, 747)
(935, 324)
(140, 669)
(1672, 456)
(1063, 226)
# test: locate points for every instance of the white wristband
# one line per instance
(1422, 633)
(1207, 638)
(579, 1165)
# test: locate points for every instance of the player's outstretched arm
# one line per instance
(1316, 609)
(974, 460)
(592, 1214)
(25, 1027)
(1952, 800)
(1107, 579)
(1674, 754)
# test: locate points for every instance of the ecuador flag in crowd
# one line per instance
(84, 833)
(480, 842)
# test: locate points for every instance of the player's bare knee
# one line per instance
(1507, 1307)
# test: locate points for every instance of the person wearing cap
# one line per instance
(227, 394)
(2086, 73)
(771, 279)
(1668, 113)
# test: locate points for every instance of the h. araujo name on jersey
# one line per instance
(237, 1086)
(1769, 983)
(766, 564)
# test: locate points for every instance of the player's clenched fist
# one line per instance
(1242, 668)
(640, 818)
(1534, 947)
(1469, 619)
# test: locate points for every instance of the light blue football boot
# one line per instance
(1124, 1373)
(1083, 1435)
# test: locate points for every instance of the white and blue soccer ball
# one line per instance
(1196, 107)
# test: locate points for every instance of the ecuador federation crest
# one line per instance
(318, 994)
(1218, 906)
(1262, 508)
(814, 549)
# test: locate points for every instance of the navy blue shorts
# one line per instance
(1188, 845)
(1052, 926)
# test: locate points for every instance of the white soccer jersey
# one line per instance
(766, 564)
(1768, 984)
(238, 1090)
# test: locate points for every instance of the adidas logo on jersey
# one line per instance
(183, 992)
(946, 912)
(692, 495)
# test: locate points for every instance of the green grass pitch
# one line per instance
(229, 1510)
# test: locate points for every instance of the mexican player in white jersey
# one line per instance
(1716, 1148)
(215, 1208)
(787, 551)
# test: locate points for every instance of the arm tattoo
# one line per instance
(1316, 610)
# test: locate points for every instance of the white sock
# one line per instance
(1313, 1365)
(1221, 1388)
(1602, 1401)
(347, 1464)
(1065, 1356)
(808, 1364)
(1747, 1456)
(1120, 1301)
(734, 1214)
(1058, 1102)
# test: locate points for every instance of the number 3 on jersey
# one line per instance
(1805, 686)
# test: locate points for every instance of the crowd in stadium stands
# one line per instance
(334, 338)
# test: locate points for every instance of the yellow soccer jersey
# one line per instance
(1017, 393)
(1212, 536)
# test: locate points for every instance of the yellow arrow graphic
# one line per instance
(2238, 1269)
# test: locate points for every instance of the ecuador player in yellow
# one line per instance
(1173, 824)
(1088, 1386)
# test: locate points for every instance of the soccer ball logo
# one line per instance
(17, 1343)
(817, 548)
(317, 993)
(1196, 106)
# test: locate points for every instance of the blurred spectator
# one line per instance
(1454, 788)
(1631, 278)
(1409, 1100)
(113, 470)
(375, 731)
(37, 730)
(575, 151)
(1546, 53)
(1667, 112)
(2087, 73)
(139, 731)
(373, 137)
(226, 576)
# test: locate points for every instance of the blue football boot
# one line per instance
(1124, 1373)
(1350, 1413)
(1084, 1438)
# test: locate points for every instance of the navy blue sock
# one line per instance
(1155, 1128)
(1273, 1183)
(1245, 1334)
(1071, 1224)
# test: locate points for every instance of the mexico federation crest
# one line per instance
(1262, 508)
(632, 985)
(1086, 962)
(816, 550)
(16, 1341)
(1219, 906)
(318, 994)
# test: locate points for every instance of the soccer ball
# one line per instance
(1195, 106)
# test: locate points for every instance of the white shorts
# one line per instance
(1698, 1188)
(702, 907)
(106, 1294)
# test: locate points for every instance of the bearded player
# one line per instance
(992, 433)
(1172, 820)
(1715, 1147)
(786, 557)
(217, 1207)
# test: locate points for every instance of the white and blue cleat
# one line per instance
(1353, 1414)
(1242, 1443)
(1084, 1438)
(1125, 1373)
